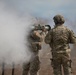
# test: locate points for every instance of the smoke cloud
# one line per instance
(13, 33)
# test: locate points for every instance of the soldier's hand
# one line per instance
(37, 34)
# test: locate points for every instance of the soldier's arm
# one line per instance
(36, 33)
(48, 38)
(72, 37)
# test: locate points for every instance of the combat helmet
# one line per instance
(58, 19)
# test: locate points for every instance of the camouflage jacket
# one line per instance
(34, 40)
(59, 38)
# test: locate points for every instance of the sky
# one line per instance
(44, 8)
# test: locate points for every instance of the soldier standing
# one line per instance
(59, 38)
(34, 40)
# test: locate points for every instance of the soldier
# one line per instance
(59, 38)
(34, 40)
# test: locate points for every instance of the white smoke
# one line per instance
(13, 33)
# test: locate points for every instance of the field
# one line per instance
(46, 68)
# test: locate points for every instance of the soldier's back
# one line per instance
(60, 35)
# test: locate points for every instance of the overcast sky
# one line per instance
(44, 8)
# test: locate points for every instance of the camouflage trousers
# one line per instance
(61, 64)
(32, 67)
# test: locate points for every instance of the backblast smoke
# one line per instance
(13, 33)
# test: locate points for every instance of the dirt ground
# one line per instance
(45, 68)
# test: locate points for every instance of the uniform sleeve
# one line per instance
(72, 37)
(48, 38)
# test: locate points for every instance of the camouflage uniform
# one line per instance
(59, 38)
(35, 45)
